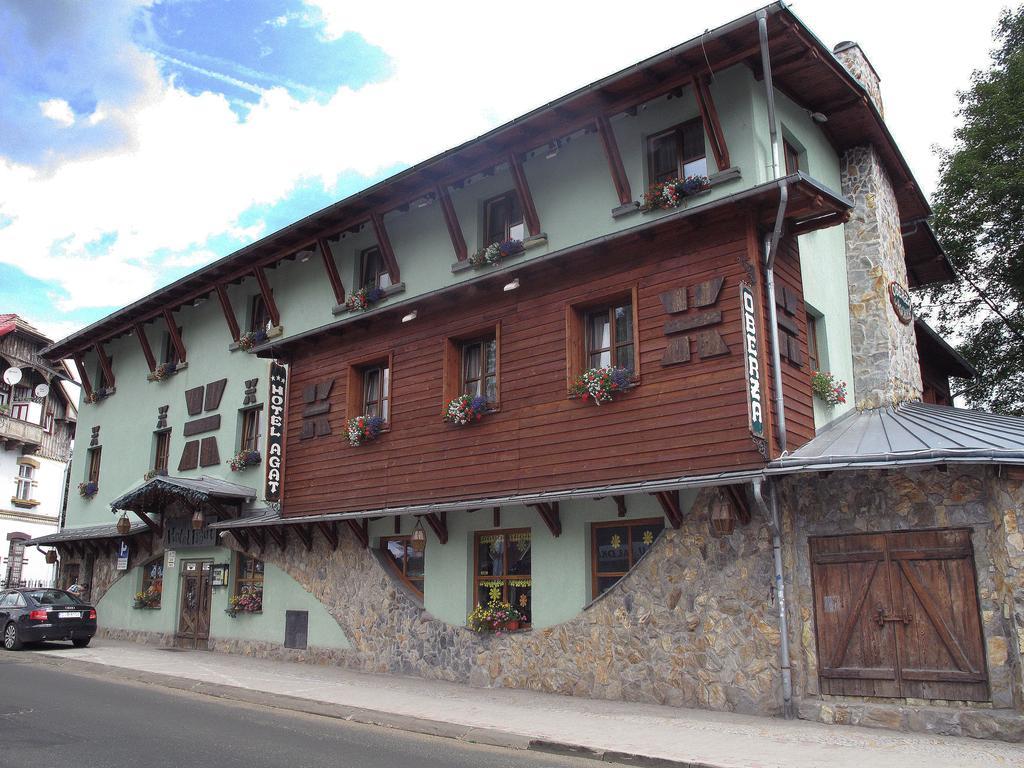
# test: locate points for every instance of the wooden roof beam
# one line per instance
(229, 312)
(329, 530)
(712, 125)
(172, 329)
(669, 501)
(305, 536)
(241, 537)
(332, 270)
(738, 499)
(268, 295)
(108, 372)
(451, 220)
(259, 538)
(438, 523)
(549, 514)
(387, 254)
(147, 351)
(279, 536)
(361, 532)
(615, 166)
(83, 375)
(515, 164)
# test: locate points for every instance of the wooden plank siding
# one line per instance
(682, 419)
(796, 379)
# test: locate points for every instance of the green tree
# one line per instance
(979, 218)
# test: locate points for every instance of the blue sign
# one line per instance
(122, 556)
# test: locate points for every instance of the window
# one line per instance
(480, 369)
(376, 382)
(407, 562)
(26, 474)
(502, 569)
(20, 411)
(503, 219)
(617, 547)
(792, 157)
(812, 342)
(162, 450)
(48, 422)
(251, 438)
(170, 351)
(677, 153)
(372, 272)
(609, 336)
(259, 317)
(249, 582)
(93, 475)
(153, 582)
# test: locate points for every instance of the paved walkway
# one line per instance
(529, 719)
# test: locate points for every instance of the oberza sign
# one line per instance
(275, 432)
(752, 362)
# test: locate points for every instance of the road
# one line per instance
(50, 717)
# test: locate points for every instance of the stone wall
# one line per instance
(692, 625)
(861, 502)
(886, 370)
(852, 57)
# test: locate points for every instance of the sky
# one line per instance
(143, 139)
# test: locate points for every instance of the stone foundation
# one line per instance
(692, 625)
(260, 649)
(159, 639)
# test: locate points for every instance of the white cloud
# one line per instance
(194, 167)
(58, 110)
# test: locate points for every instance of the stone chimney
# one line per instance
(886, 370)
(853, 58)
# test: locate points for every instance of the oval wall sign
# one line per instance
(900, 298)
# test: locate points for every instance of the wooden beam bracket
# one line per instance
(669, 501)
(268, 296)
(387, 254)
(279, 536)
(332, 270)
(515, 164)
(329, 530)
(712, 125)
(620, 505)
(147, 351)
(229, 312)
(360, 531)
(154, 526)
(549, 514)
(738, 498)
(108, 372)
(615, 166)
(438, 522)
(172, 329)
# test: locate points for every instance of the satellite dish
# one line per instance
(41, 390)
(12, 376)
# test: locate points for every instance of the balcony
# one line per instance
(15, 433)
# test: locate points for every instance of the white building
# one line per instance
(37, 427)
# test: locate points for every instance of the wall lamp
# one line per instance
(511, 286)
(819, 117)
(553, 149)
(411, 316)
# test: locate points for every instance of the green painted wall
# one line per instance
(560, 566)
(280, 593)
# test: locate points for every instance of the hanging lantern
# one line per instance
(419, 536)
(198, 520)
(124, 525)
(51, 556)
(723, 522)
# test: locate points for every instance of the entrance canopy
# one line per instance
(87, 533)
(157, 492)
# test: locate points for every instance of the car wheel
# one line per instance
(80, 642)
(11, 640)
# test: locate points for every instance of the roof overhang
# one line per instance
(810, 206)
(89, 533)
(154, 494)
(803, 68)
(939, 353)
(926, 261)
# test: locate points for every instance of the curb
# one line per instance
(421, 725)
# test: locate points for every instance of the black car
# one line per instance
(34, 615)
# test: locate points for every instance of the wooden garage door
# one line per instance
(896, 615)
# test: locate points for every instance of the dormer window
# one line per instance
(503, 219)
(372, 272)
(677, 153)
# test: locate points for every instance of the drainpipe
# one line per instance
(771, 245)
(771, 512)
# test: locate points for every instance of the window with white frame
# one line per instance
(26, 475)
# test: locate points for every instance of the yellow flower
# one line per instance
(495, 593)
(648, 538)
(616, 540)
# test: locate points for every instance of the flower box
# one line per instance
(601, 385)
(828, 389)
(244, 459)
(672, 193)
(249, 600)
(99, 394)
(363, 429)
(363, 299)
(465, 409)
(88, 490)
(495, 252)
(251, 339)
(163, 371)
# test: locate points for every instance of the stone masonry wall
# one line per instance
(852, 57)
(692, 625)
(886, 370)
(861, 502)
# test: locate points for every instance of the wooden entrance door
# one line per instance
(897, 615)
(194, 613)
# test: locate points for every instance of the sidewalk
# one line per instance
(637, 734)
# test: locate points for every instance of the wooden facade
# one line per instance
(683, 417)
